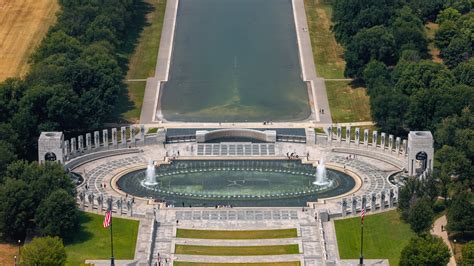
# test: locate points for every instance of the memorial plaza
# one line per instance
(237, 136)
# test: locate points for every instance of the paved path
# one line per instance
(310, 124)
(318, 96)
(135, 80)
(152, 89)
(339, 79)
(436, 230)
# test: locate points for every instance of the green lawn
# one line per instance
(385, 235)
(348, 104)
(236, 250)
(92, 241)
(327, 53)
(284, 263)
(143, 61)
(236, 234)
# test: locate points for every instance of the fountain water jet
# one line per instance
(150, 175)
(321, 175)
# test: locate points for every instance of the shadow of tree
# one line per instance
(129, 43)
(81, 235)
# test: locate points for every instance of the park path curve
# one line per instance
(436, 231)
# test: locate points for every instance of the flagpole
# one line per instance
(361, 259)
(112, 262)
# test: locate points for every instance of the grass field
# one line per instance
(7, 251)
(384, 237)
(92, 241)
(327, 53)
(348, 104)
(233, 234)
(143, 61)
(236, 250)
(284, 263)
(23, 24)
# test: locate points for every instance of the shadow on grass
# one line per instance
(130, 42)
(357, 83)
(81, 234)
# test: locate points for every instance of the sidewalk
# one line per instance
(436, 230)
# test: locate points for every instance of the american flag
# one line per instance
(107, 219)
(362, 213)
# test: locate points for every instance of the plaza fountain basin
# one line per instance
(235, 182)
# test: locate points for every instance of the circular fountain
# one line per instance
(237, 182)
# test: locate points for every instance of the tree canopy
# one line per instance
(44, 251)
(425, 250)
(76, 74)
(30, 191)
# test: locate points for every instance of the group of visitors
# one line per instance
(321, 111)
(223, 206)
(350, 157)
(292, 155)
(270, 122)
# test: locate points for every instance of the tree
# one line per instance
(57, 42)
(410, 76)
(409, 32)
(420, 215)
(388, 110)
(44, 251)
(426, 10)
(468, 254)
(464, 73)
(57, 215)
(44, 178)
(407, 195)
(376, 75)
(351, 16)
(16, 209)
(446, 32)
(460, 213)
(462, 6)
(376, 43)
(11, 91)
(8, 141)
(448, 14)
(425, 250)
(453, 163)
(458, 50)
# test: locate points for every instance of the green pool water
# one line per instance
(236, 182)
(235, 60)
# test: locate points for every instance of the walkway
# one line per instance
(436, 230)
(310, 124)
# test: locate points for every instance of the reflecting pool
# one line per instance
(235, 60)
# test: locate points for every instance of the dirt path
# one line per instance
(436, 230)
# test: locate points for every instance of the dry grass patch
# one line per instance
(327, 53)
(348, 104)
(7, 251)
(431, 29)
(24, 23)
